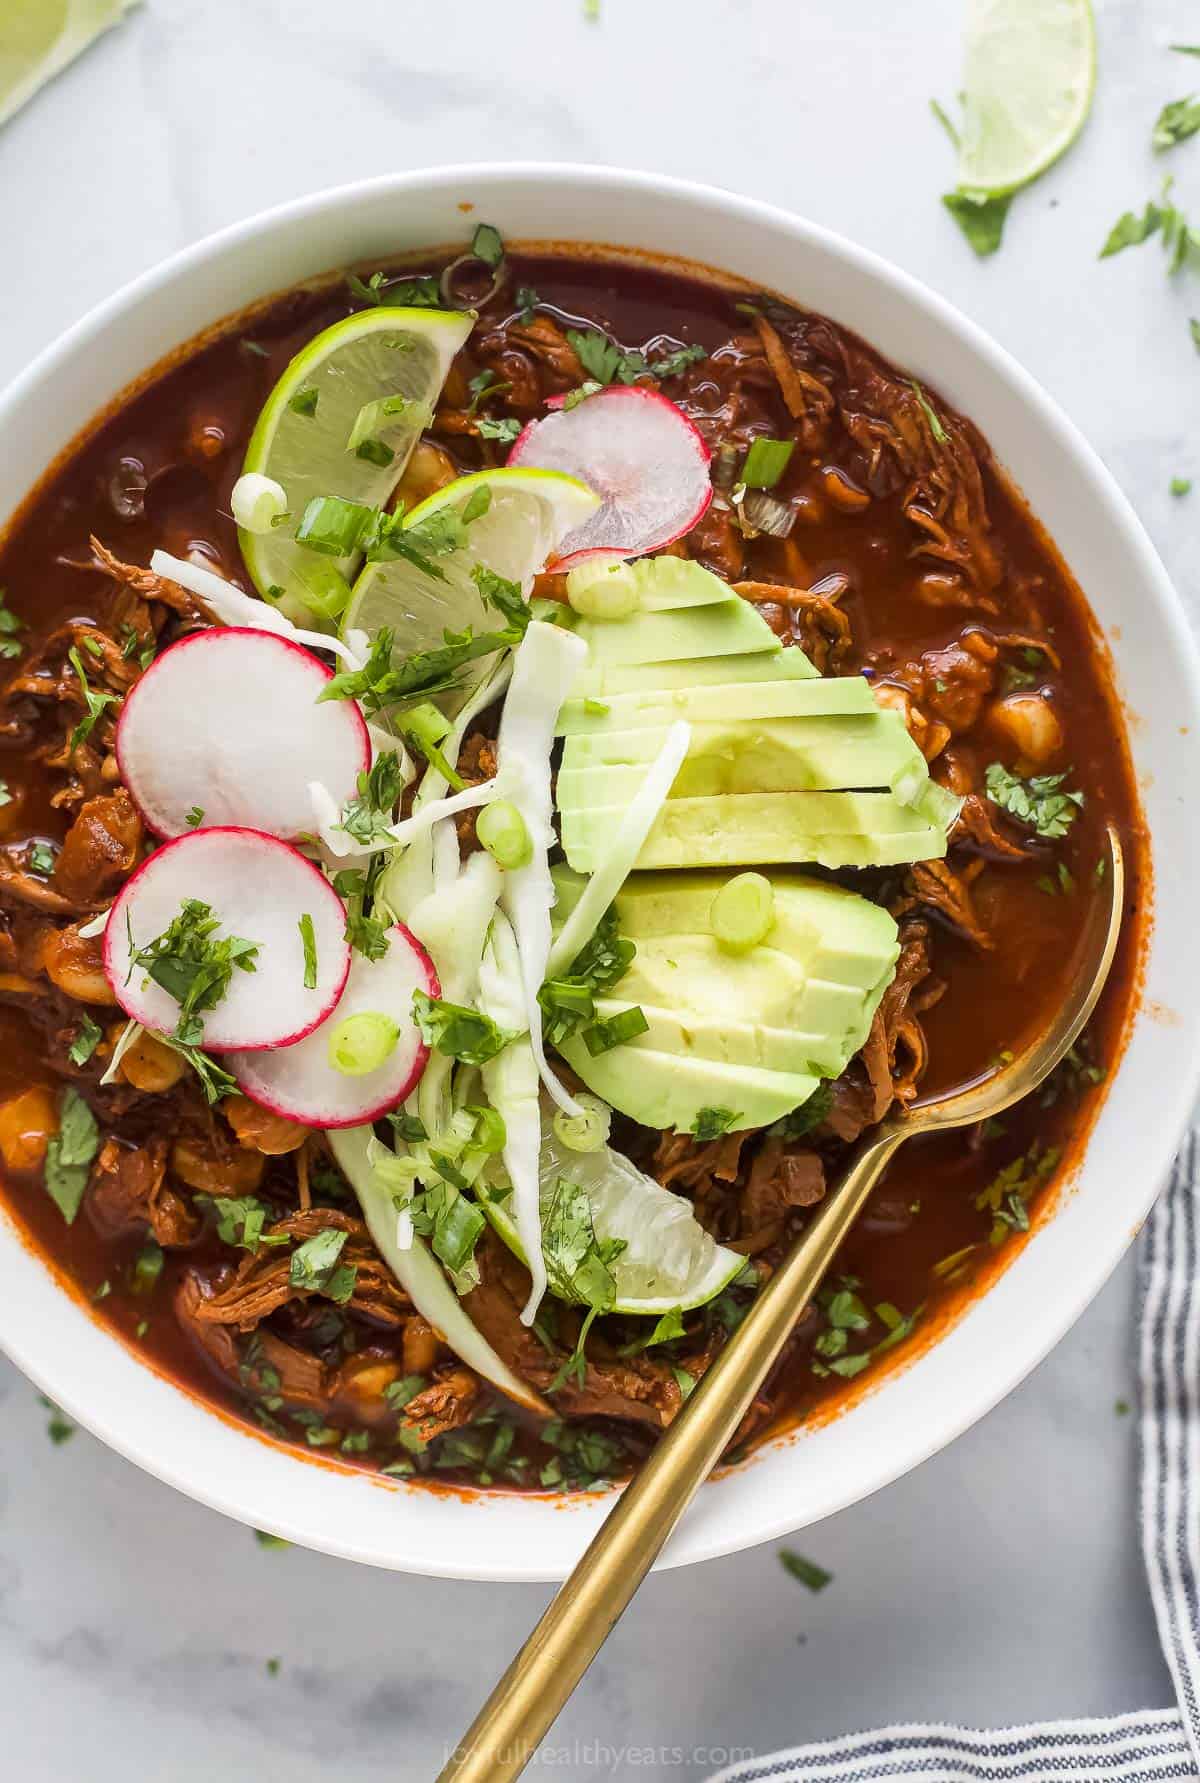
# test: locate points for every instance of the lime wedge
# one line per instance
(1030, 69)
(38, 38)
(527, 513)
(342, 421)
(669, 1259)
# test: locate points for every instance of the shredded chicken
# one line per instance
(127, 1192)
(811, 619)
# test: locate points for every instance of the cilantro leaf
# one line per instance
(457, 1031)
(710, 1123)
(810, 1114)
(95, 704)
(980, 219)
(369, 816)
(192, 966)
(1039, 802)
(10, 625)
(314, 1266)
(1176, 122)
(69, 1154)
(86, 1040)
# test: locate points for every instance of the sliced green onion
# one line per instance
(326, 590)
(743, 911)
(504, 833)
(305, 402)
(487, 245)
(603, 591)
(309, 939)
(766, 462)
(425, 727)
(333, 526)
(362, 1043)
(627, 1024)
(588, 1130)
(257, 502)
(373, 418)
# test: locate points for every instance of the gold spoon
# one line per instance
(511, 1724)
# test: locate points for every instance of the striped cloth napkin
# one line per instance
(1135, 1748)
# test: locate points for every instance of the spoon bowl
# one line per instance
(510, 1726)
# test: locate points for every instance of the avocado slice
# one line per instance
(833, 934)
(665, 584)
(787, 664)
(662, 1090)
(742, 755)
(730, 628)
(834, 829)
(745, 1030)
(794, 697)
(792, 1050)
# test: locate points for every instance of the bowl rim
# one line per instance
(1157, 1145)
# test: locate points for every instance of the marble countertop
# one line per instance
(999, 1582)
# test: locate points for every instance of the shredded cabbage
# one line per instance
(232, 607)
(545, 667)
(510, 1082)
(453, 924)
(420, 1274)
(624, 849)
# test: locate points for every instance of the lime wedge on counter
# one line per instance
(669, 1259)
(342, 421)
(38, 38)
(1030, 69)
(525, 513)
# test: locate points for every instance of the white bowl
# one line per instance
(1004, 1333)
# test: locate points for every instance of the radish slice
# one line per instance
(640, 453)
(299, 1082)
(258, 888)
(226, 722)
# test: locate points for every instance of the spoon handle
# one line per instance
(524, 1704)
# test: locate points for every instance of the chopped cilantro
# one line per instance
(1176, 122)
(369, 816)
(807, 1571)
(710, 1123)
(59, 1428)
(1181, 485)
(578, 1266)
(1122, 1408)
(95, 704)
(568, 1002)
(810, 1114)
(1008, 1195)
(215, 1081)
(41, 859)
(308, 940)
(504, 431)
(195, 817)
(980, 219)
(487, 245)
(607, 363)
(457, 1031)
(240, 1222)
(368, 291)
(266, 1540)
(669, 1327)
(1039, 802)
(314, 1266)
(305, 401)
(69, 1154)
(366, 934)
(87, 1039)
(527, 301)
(10, 625)
(192, 966)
